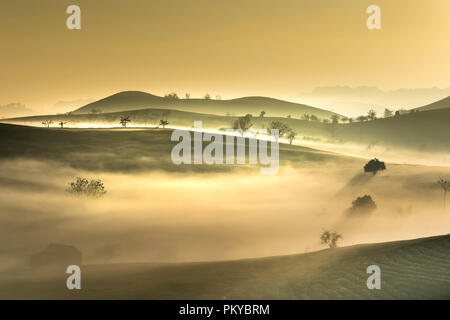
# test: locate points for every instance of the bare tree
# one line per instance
(124, 120)
(445, 185)
(280, 126)
(291, 136)
(163, 123)
(243, 123)
(62, 123)
(47, 123)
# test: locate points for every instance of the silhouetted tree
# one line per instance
(187, 96)
(62, 123)
(445, 185)
(330, 238)
(362, 205)
(124, 120)
(207, 96)
(243, 123)
(172, 96)
(218, 97)
(313, 118)
(374, 166)
(291, 136)
(47, 123)
(163, 123)
(280, 126)
(262, 114)
(306, 117)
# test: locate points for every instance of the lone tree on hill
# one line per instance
(163, 123)
(62, 123)
(330, 238)
(374, 166)
(280, 126)
(47, 123)
(445, 185)
(243, 123)
(261, 115)
(124, 120)
(291, 136)
(362, 205)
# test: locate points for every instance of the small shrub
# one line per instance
(82, 187)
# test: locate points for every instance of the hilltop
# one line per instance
(134, 100)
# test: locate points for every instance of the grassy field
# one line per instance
(124, 150)
(413, 269)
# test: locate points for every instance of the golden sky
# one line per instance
(275, 48)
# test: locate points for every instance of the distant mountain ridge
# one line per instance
(135, 100)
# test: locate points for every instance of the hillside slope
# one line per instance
(133, 100)
(441, 104)
(427, 131)
(412, 269)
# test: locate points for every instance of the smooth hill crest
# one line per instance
(135, 100)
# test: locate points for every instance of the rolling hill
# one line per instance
(411, 269)
(441, 104)
(426, 131)
(134, 100)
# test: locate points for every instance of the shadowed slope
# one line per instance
(413, 269)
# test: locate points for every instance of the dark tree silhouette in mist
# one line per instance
(374, 166)
(362, 205)
(163, 123)
(124, 120)
(47, 123)
(330, 238)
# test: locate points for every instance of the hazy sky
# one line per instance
(235, 47)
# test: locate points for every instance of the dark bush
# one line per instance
(362, 205)
(374, 166)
